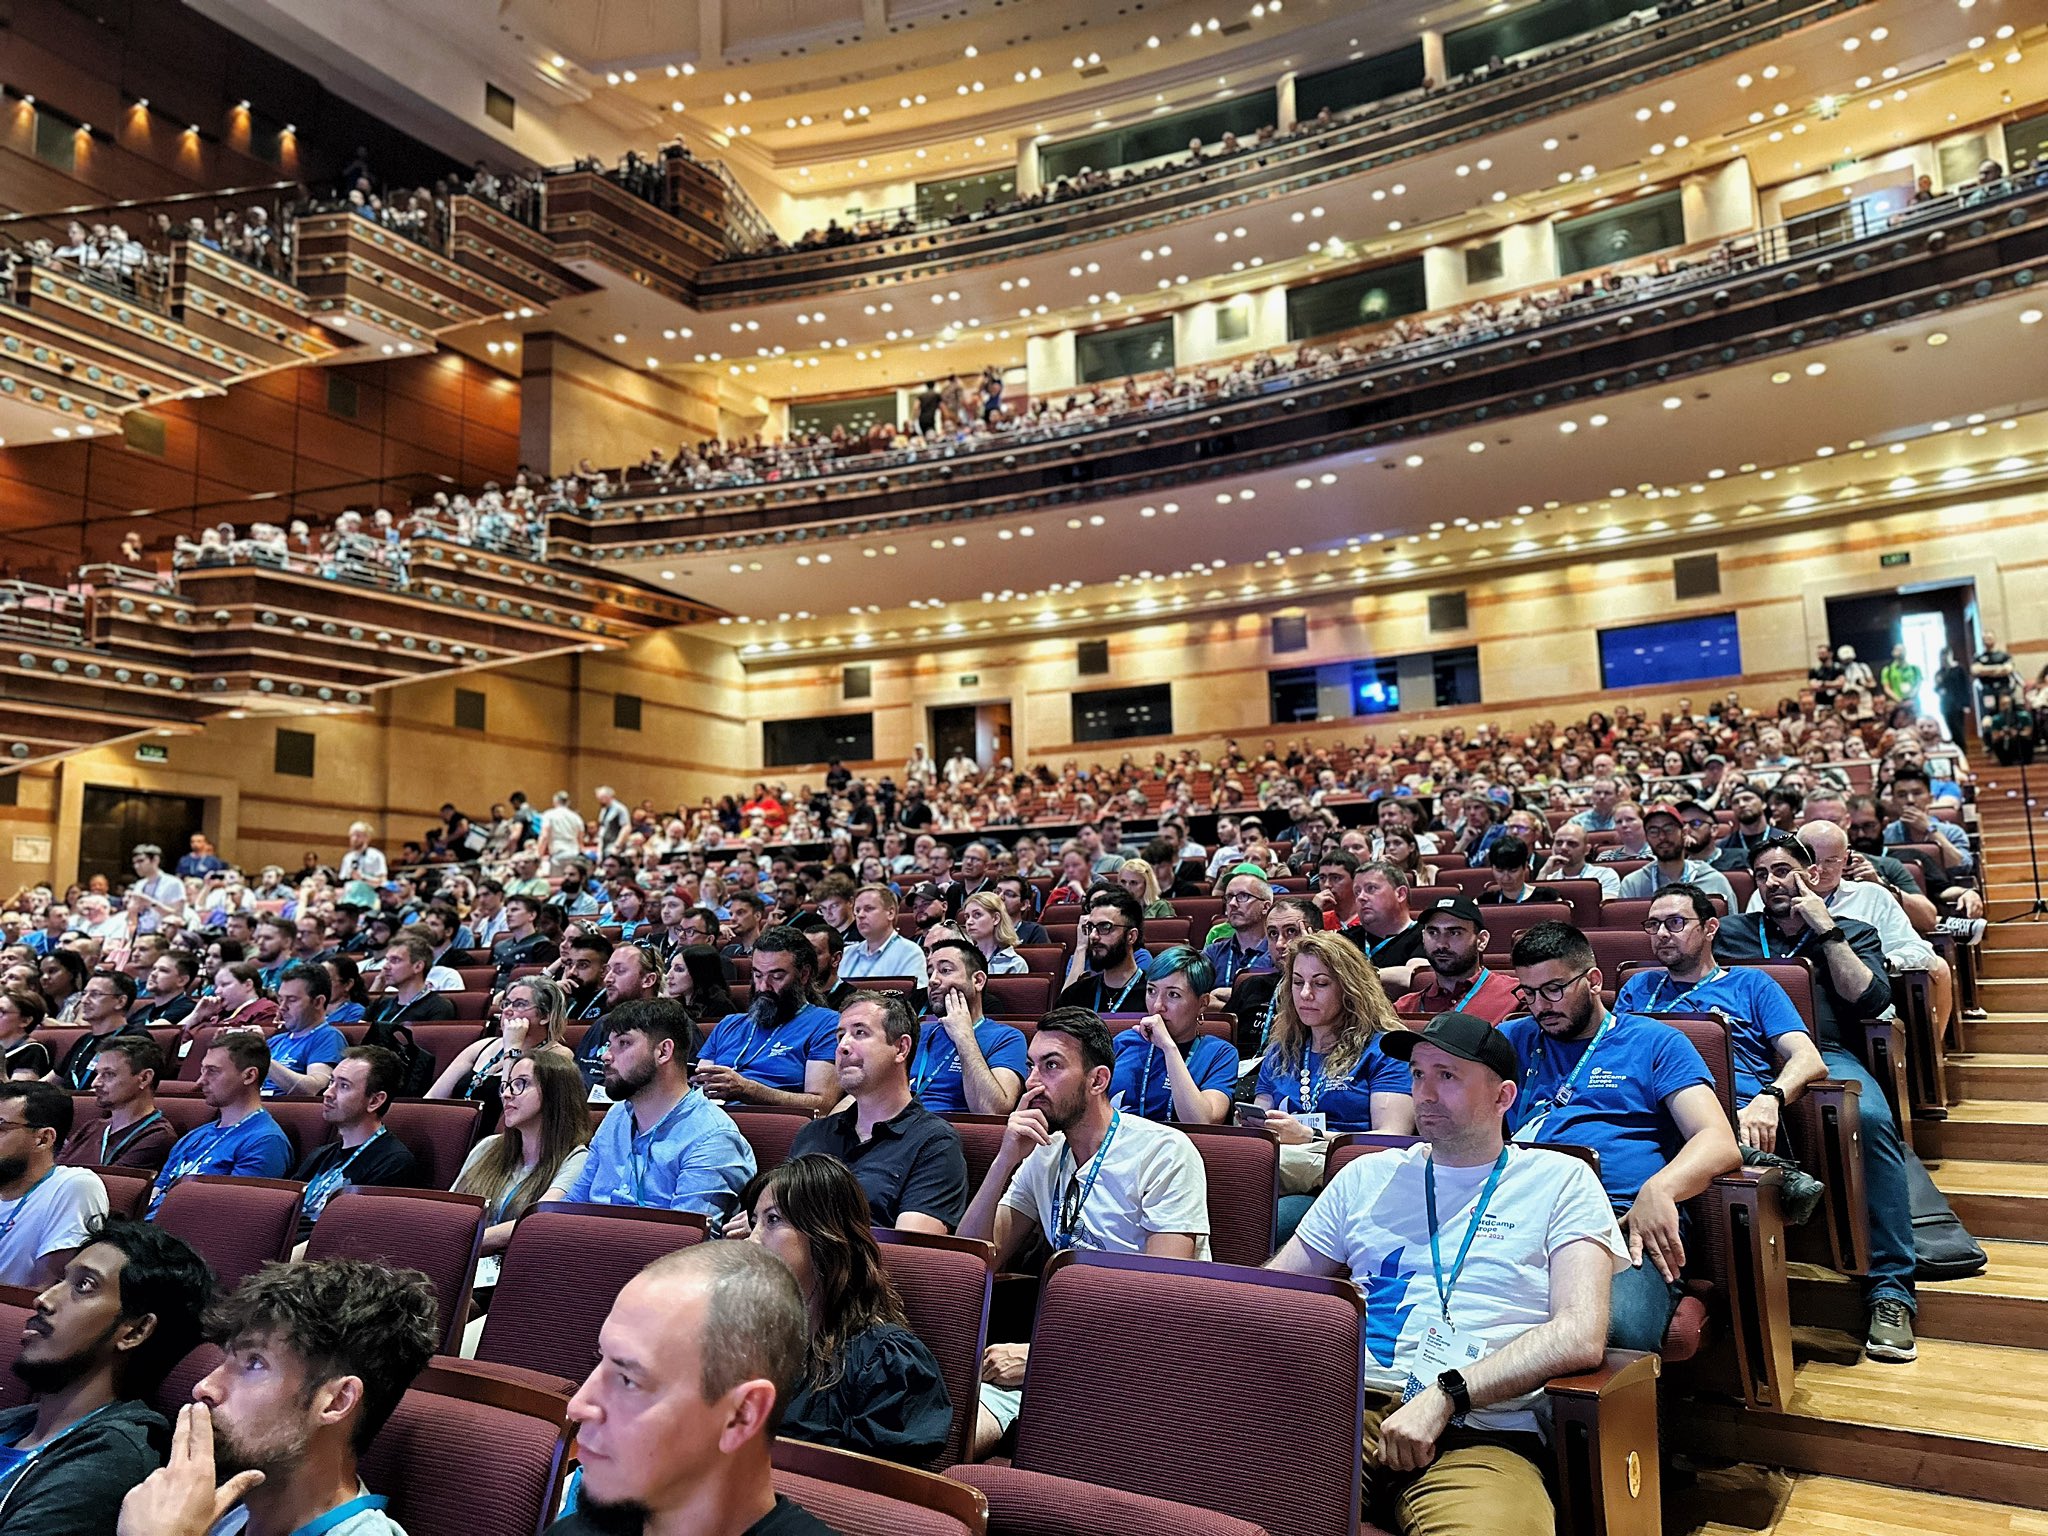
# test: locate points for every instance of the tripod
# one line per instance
(2039, 909)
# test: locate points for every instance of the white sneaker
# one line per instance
(1968, 929)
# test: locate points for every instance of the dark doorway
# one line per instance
(117, 819)
(982, 731)
(1924, 619)
(952, 731)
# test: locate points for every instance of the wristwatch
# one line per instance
(1453, 1386)
(1772, 1090)
(1834, 936)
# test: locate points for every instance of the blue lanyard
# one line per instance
(921, 1079)
(1763, 939)
(1436, 1257)
(1657, 1003)
(1266, 1020)
(192, 1160)
(128, 1140)
(1064, 1237)
(324, 1184)
(1117, 1003)
(342, 1513)
(1569, 1090)
(1472, 991)
(13, 1216)
(1145, 1080)
(1372, 951)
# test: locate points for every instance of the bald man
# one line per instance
(675, 1423)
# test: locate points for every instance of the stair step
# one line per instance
(1995, 1200)
(2010, 962)
(1997, 1075)
(1757, 1501)
(1996, 1129)
(2023, 1034)
(1964, 1419)
(2006, 994)
(2006, 1305)
(2008, 936)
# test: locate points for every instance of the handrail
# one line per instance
(128, 203)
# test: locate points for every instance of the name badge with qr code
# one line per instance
(1444, 1349)
(1317, 1123)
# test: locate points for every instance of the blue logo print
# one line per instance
(1385, 1316)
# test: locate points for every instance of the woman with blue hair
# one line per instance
(1166, 1068)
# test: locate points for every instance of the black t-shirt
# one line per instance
(384, 1161)
(76, 1068)
(1102, 997)
(914, 1162)
(427, 1008)
(787, 1518)
(1395, 949)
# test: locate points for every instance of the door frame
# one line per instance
(221, 798)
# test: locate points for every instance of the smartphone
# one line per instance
(1253, 1115)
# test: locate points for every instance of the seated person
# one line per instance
(909, 1162)
(1454, 946)
(1650, 1112)
(44, 1209)
(779, 1052)
(1664, 826)
(1569, 846)
(304, 1047)
(129, 1131)
(408, 997)
(1508, 858)
(242, 1138)
(882, 951)
(317, 1357)
(22, 1011)
(1384, 931)
(530, 1017)
(363, 1151)
(103, 1007)
(1849, 987)
(1255, 1000)
(869, 1384)
(1083, 1174)
(1167, 1068)
(1246, 900)
(662, 1143)
(1454, 1438)
(965, 1062)
(542, 1141)
(1110, 931)
(126, 1309)
(1325, 1070)
(524, 943)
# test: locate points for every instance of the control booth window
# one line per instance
(1118, 354)
(1670, 651)
(794, 743)
(856, 415)
(1635, 229)
(1359, 83)
(1117, 714)
(968, 195)
(1363, 298)
(1378, 685)
(1159, 137)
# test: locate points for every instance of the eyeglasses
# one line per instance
(514, 1087)
(1655, 925)
(1099, 930)
(519, 1005)
(1551, 991)
(1234, 897)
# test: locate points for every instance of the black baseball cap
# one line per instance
(1462, 907)
(1464, 1035)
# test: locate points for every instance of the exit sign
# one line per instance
(970, 679)
(1896, 557)
(152, 752)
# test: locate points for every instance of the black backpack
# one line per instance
(416, 1061)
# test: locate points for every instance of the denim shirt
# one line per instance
(694, 1159)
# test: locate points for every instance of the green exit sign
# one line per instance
(1896, 557)
(152, 752)
(970, 679)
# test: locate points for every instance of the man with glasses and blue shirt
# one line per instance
(662, 1144)
(781, 1051)
(965, 1062)
(1633, 1089)
(1849, 986)
(1247, 898)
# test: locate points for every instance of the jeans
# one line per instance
(1292, 1209)
(1884, 1181)
(1640, 1307)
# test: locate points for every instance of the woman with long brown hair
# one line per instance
(546, 1129)
(870, 1384)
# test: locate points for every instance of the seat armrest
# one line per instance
(1827, 1129)
(1604, 1436)
(1744, 1234)
(1022, 1503)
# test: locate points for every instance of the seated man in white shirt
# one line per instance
(1569, 845)
(1085, 1175)
(1528, 1250)
(44, 1209)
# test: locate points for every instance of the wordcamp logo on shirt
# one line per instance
(1601, 1077)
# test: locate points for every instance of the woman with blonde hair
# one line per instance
(985, 923)
(530, 1020)
(1137, 877)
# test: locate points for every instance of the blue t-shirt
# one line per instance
(1140, 1083)
(1617, 1105)
(1756, 1009)
(1347, 1102)
(254, 1147)
(298, 1052)
(774, 1058)
(935, 1075)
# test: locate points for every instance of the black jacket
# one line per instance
(74, 1486)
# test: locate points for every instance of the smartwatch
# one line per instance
(1772, 1090)
(1834, 936)
(1453, 1386)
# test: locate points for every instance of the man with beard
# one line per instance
(317, 1358)
(1649, 1110)
(676, 1421)
(1569, 845)
(1384, 929)
(582, 968)
(780, 1052)
(1453, 1395)
(965, 1062)
(1454, 944)
(1665, 829)
(44, 1208)
(1086, 1176)
(830, 948)
(630, 971)
(273, 949)
(662, 1143)
(1111, 928)
(166, 996)
(126, 1309)
(1849, 986)
(1863, 820)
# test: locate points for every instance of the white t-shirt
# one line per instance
(1373, 1219)
(561, 832)
(363, 864)
(50, 1217)
(164, 887)
(1151, 1181)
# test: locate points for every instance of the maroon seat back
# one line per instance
(859, 1495)
(303, 1124)
(438, 1133)
(470, 1006)
(769, 1132)
(1505, 924)
(187, 1113)
(1043, 959)
(1614, 948)
(1243, 1170)
(1583, 897)
(1742, 883)
(1297, 1380)
(17, 1306)
(1422, 897)
(445, 1042)
(429, 1230)
(1203, 911)
(188, 1064)
(980, 1136)
(1165, 932)
(1060, 912)
(601, 1247)
(127, 1190)
(945, 1283)
(1025, 996)
(236, 1225)
(1795, 975)
(467, 1452)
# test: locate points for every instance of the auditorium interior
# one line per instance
(402, 406)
